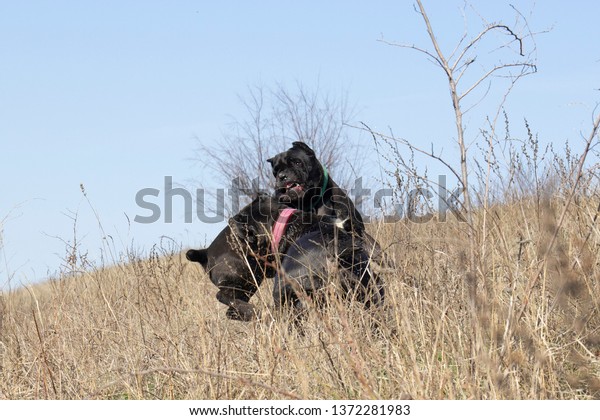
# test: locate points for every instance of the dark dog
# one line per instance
(303, 183)
(311, 247)
(236, 267)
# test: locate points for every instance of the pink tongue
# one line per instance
(279, 227)
(294, 187)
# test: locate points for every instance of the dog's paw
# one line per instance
(242, 311)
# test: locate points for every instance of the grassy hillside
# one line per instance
(525, 324)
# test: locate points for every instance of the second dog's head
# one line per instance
(298, 174)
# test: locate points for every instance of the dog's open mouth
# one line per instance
(292, 186)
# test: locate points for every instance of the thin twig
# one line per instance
(482, 34)
(408, 144)
(244, 381)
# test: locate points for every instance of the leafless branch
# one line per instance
(478, 38)
(414, 47)
(494, 70)
(412, 147)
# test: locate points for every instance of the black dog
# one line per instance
(310, 246)
(303, 183)
(236, 267)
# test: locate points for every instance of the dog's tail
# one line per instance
(197, 255)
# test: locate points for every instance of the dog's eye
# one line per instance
(297, 163)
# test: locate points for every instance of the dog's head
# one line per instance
(298, 174)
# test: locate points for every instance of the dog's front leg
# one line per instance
(238, 309)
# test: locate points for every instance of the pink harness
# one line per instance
(279, 227)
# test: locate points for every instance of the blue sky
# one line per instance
(115, 95)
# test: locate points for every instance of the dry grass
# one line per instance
(151, 328)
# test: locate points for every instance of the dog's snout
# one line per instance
(282, 176)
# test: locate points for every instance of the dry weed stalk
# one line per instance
(456, 65)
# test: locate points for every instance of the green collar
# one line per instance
(323, 187)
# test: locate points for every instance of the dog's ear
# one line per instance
(303, 146)
(197, 255)
(271, 161)
(242, 229)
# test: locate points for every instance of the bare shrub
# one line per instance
(273, 119)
